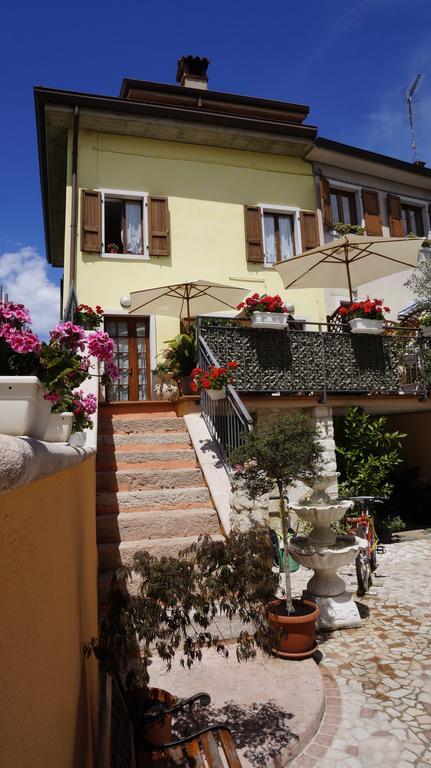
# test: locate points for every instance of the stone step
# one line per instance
(144, 440)
(136, 424)
(109, 502)
(135, 479)
(116, 459)
(156, 524)
(111, 556)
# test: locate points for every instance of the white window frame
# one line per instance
(286, 210)
(125, 194)
(357, 189)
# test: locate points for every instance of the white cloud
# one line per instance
(24, 277)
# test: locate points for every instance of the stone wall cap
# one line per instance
(25, 459)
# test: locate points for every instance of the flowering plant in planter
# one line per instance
(112, 248)
(371, 309)
(88, 317)
(215, 378)
(19, 346)
(262, 303)
(347, 229)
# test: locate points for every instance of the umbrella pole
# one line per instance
(346, 258)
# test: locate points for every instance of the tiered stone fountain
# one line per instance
(325, 552)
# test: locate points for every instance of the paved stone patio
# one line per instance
(378, 676)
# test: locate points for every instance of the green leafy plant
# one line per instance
(278, 453)
(369, 454)
(419, 283)
(181, 354)
(162, 371)
(179, 599)
(426, 243)
(348, 229)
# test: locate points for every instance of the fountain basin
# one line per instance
(321, 516)
(325, 561)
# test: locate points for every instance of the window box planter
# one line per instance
(363, 325)
(59, 427)
(269, 319)
(23, 411)
(216, 394)
(426, 331)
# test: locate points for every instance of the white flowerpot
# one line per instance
(363, 325)
(217, 394)
(166, 390)
(269, 319)
(59, 428)
(426, 331)
(23, 411)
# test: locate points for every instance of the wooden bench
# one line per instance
(212, 747)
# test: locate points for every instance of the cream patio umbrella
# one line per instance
(199, 297)
(349, 262)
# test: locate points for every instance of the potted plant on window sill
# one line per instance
(365, 316)
(339, 229)
(279, 453)
(214, 381)
(112, 248)
(266, 311)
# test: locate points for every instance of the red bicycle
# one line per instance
(363, 527)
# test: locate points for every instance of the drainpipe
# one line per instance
(74, 208)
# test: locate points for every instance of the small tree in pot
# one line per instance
(279, 453)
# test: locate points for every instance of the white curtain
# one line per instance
(270, 247)
(286, 236)
(133, 227)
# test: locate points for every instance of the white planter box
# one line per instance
(59, 428)
(217, 394)
(363, 325)
(269, 319)
(23, 411)
(426, 331)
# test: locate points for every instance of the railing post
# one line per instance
(323, 399)
(421, 340)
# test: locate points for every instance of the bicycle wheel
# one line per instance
(363, 572)
(373, 560)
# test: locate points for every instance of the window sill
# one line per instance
(125, 256)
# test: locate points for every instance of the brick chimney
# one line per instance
(192, 72)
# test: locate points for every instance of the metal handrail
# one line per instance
(228, 420)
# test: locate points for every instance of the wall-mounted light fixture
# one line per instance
(125, 301)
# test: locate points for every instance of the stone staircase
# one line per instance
(151, 493)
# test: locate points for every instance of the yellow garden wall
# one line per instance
(207, 188)
(416, 446)
(48, 609)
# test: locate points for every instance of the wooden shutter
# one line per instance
(91, 221)
(309, 231)
(395, 216)
(158, 224)
(253, 234)
(373, 219)
(325, 194)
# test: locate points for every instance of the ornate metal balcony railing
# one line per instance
(228, 420)
(318, 361)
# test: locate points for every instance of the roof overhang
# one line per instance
(154, 119)
(333, 153)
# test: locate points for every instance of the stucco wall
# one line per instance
(416, 447)
(207, 188)
(48, 609)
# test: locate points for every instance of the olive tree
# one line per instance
(279, 453)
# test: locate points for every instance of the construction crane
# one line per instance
(409, 96)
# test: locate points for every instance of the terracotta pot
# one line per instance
(160, 733)
(295, 634)
(186, 385)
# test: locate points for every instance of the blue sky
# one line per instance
(350, 60)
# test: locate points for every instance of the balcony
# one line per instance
(322, 361)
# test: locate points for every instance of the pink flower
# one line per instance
(111, 370)
(21, 341)
(52, 396)
(68, 336)
(101, 346)
(83, 403)
(16, 313)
